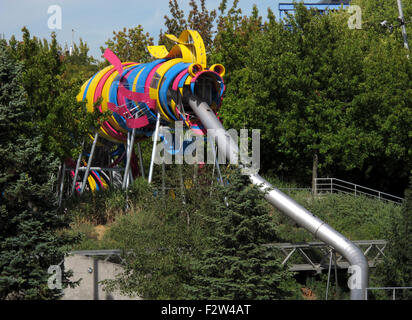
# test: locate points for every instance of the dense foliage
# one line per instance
(329, 100)
(396, 270)
(29, 243)
(233, 263)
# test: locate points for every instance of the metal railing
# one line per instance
(388, 288)
(331, 185)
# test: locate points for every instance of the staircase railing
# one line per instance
(331, 185)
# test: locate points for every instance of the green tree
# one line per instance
(79, 64)
(327, 98)
(233, 263)
(130, 44)
(158, 237)
(52, 82)
(231, 44)
(199, 20)
(29, 222)
(202, 21)
(396, 270)
(174, 24)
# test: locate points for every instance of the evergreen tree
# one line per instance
(234, 264)
(29, 242)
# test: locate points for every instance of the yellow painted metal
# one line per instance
(173, 38)
(198, 45)
(158, 52)
(218, 68)
(190, 47)
(92, 183)
(154, 92)
(92, 88)
(194, 68)
(90, 101)
(134, 88)
(187, 82)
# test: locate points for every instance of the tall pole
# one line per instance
(89, 162)
(402, 19)
(139, 150)
(156, 136)
(63, 173)
(129, 150)
(77, 168)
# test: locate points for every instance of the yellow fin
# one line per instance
(158, 52)
(174, 39)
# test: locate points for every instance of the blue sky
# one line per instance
(94, 20)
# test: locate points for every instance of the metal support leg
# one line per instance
(129, 149)
(156, 136)
(129, 178)
(76, 173)
(111, 177)
(217, 164)
(336, 273)
(163, 179)
(139, 151)
(330, 267)
(182, 186)
(86, 174)
(62, 176)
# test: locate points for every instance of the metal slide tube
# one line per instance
(288, 206)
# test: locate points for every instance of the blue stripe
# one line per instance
(141, 81)
(145, 73)
(182, 81)
(169, 76)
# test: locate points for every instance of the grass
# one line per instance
(356, 217)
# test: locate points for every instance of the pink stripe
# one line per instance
(114, 60)
(95, 176)
(106, 125)
(135, 96)
(137, 123)
(120, 110)
(201, 72)
(124, 112)
(102, 82)
(178, 78)
(122, 94)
